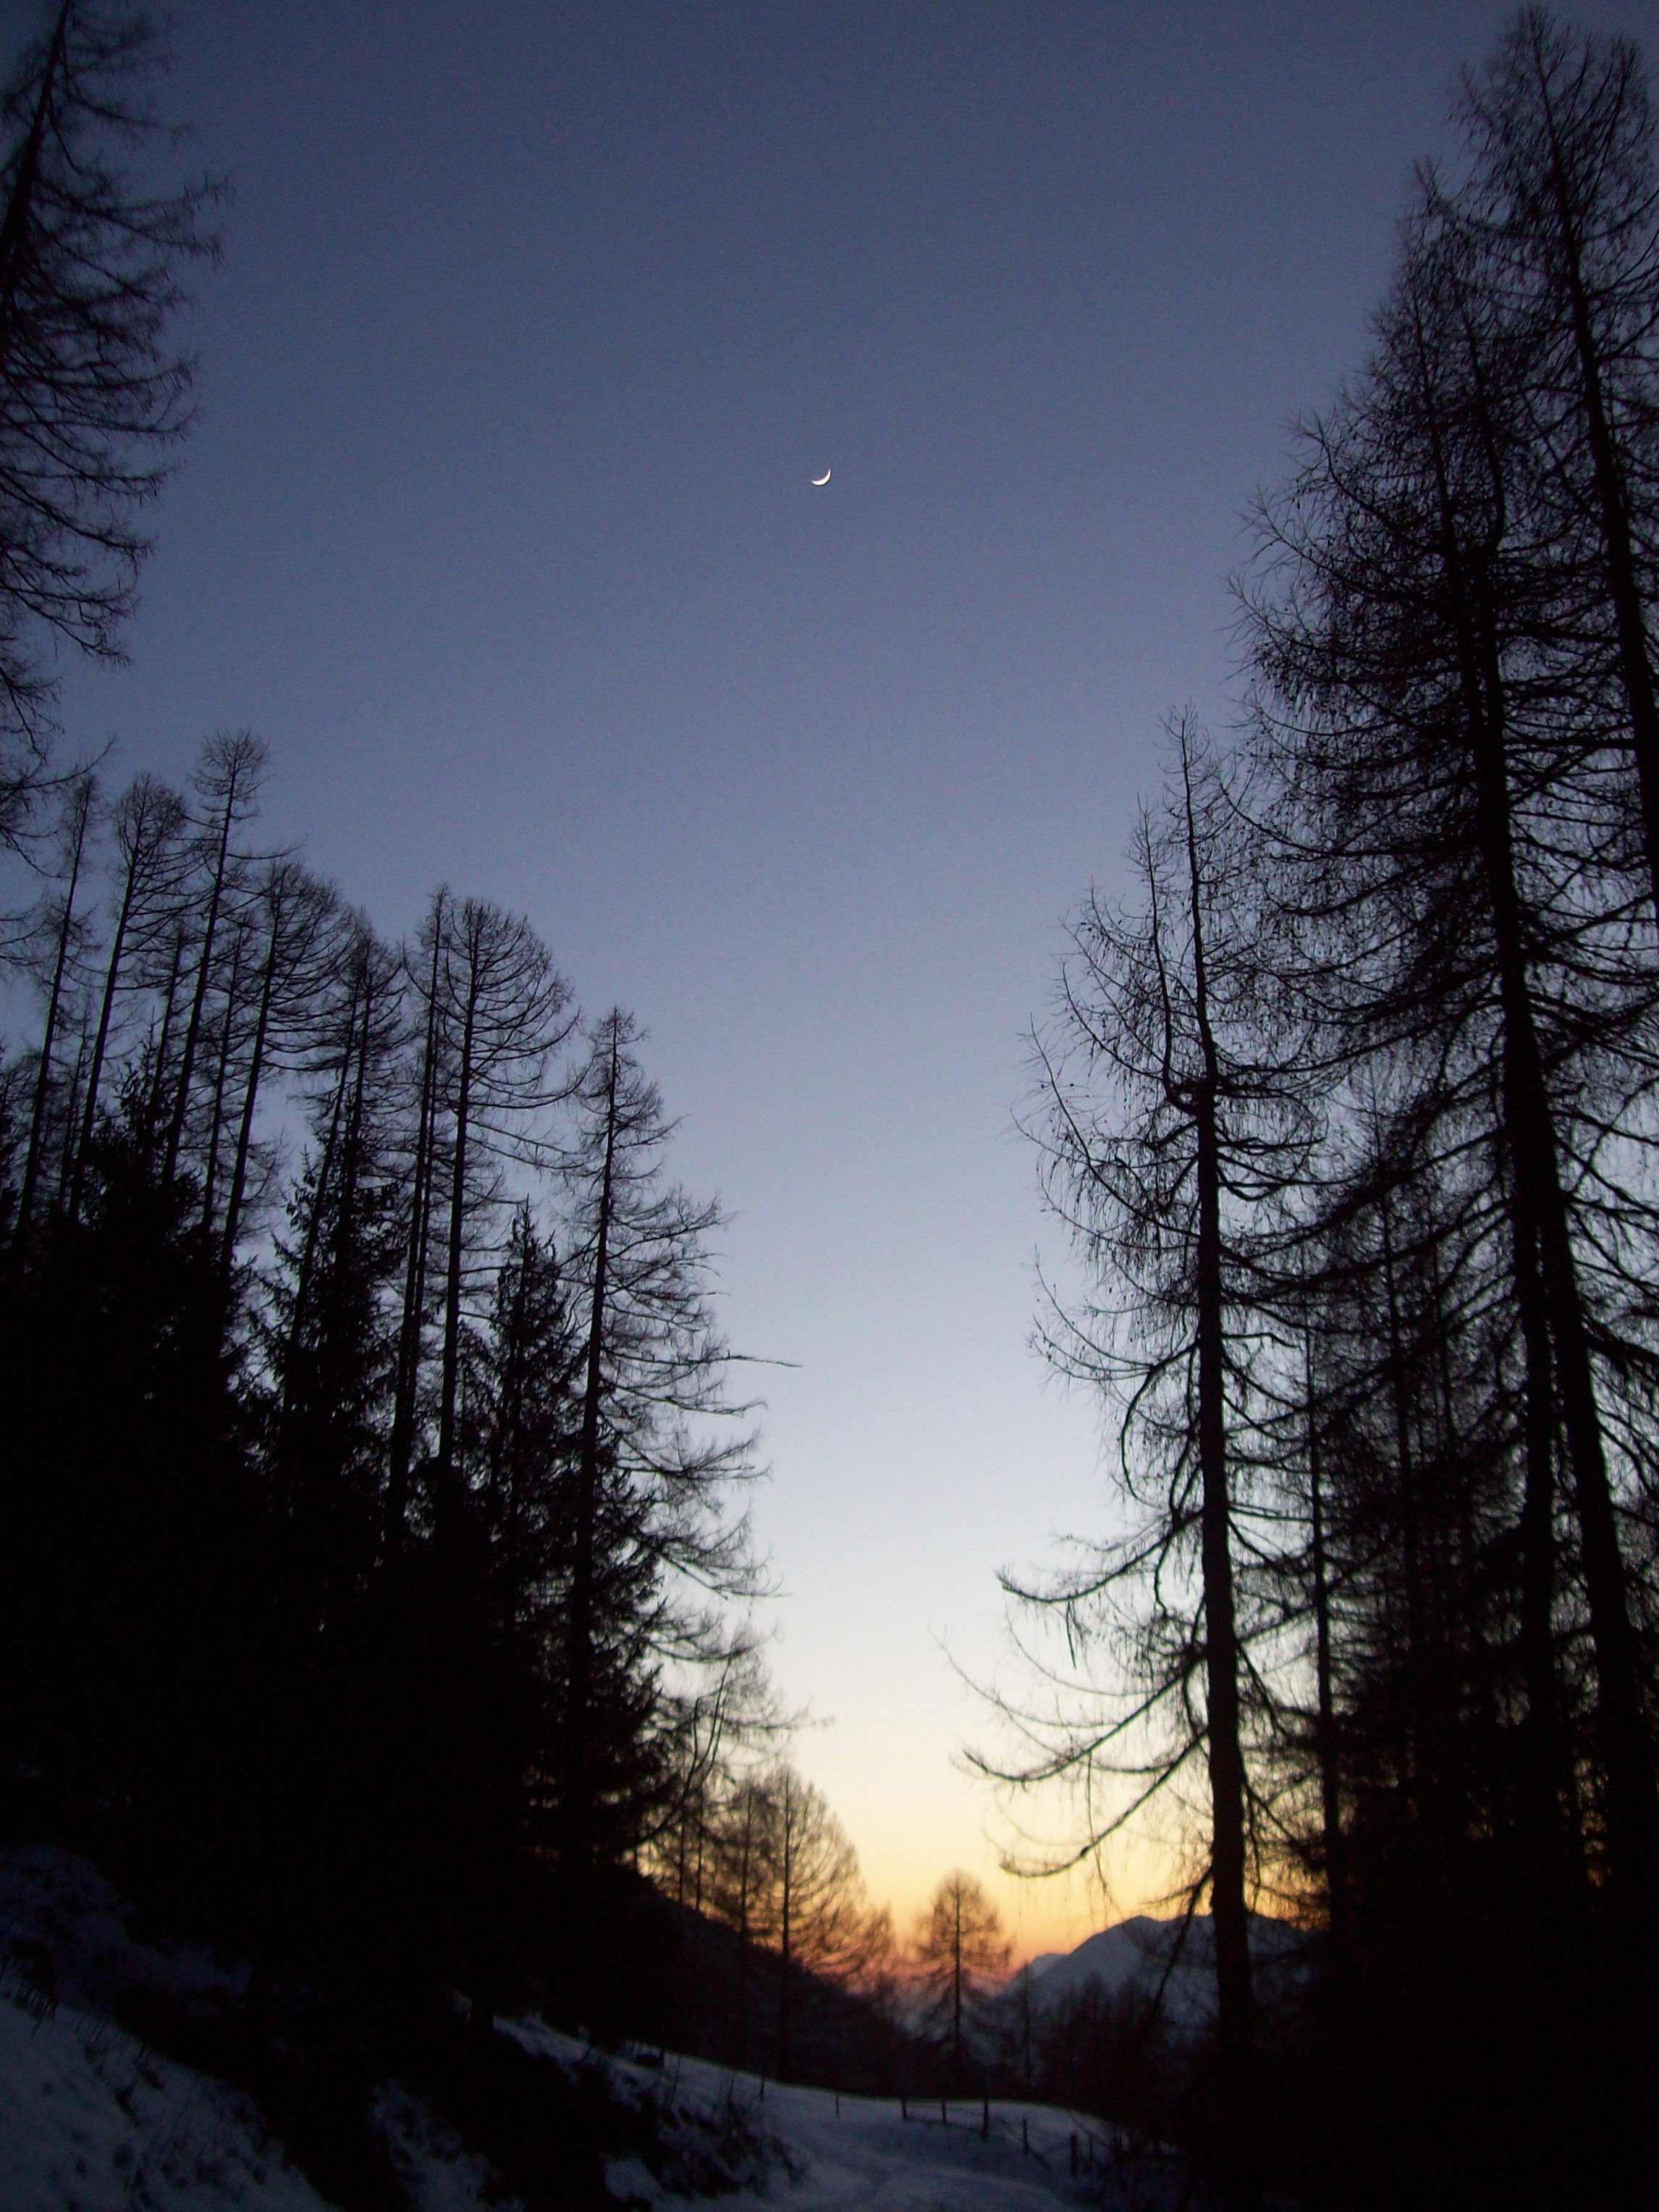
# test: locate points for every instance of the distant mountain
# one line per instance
(1132, 1959)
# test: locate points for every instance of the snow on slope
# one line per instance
(75, 1935)
(1130, 1959)
(92, 2118)
(92, 2121)
(847, 2153)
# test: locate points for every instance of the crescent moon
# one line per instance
(821, 480)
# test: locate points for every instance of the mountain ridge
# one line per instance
(1132, 1958)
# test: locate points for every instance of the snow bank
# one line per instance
(92, 2118)
(830, 2153)
(92, 2121)
(76, 1938)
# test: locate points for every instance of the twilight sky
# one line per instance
(533, 323)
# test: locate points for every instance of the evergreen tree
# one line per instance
(1175, 1125)
(650, 1472)
(95, 398)
(960, 1958)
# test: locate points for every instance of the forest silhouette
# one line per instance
(376, 1590)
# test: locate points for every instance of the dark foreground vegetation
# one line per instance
(373, 1576)
(1352, 1107)
(373, 1569)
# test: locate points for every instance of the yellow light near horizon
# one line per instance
(1053, 1912)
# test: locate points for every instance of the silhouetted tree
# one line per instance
(502, 1008)
(1438, 833)
(1560, 208)
(299, 955)
(1175, 1124)
(799, 1895)
(95, 397)
(149, 820)
(960, 1957)
(424, 972)
(75, 828)
(227, 785)
(652, 1472)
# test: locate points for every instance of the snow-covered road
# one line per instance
(865, 2154)
(859, 2152)
(93, 2119)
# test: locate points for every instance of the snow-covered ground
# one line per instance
(842, 2153)
(850, 2152)
(92, 2119)
(90, 2116)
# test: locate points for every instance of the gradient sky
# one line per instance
(533, 323)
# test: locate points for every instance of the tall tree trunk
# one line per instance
(1420, 1756)
(249, 1101)
(402, 1450)
(449, 1374)
(158, 1072)
(1547, 1773)
(581, 1670)
(351, 1166)
(1326, 1739)
(1235, 1996)
(1634, 1823)
(306, 1269)
(1541, 1219)
(60, 964)
(71, 1117)
(198, 999)
(1636, 671)
(1543, 1228)
(106, 1016)
(210, 1180)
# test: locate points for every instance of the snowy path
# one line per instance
(863, 2153)
(852, 2152)
(93, 2119)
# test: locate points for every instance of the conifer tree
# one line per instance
(1444, 846)
(501, 1004)
(227, 784)
(652, 1542)
(1175, 1124)
(76, 827)
(148, 819)
(94, 395)
(1560, 214)
(960, 1958)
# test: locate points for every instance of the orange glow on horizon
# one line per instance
(1052, 1912)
